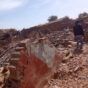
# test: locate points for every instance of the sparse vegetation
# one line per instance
(52, 18)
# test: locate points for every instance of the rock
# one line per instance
(4, 75)
(15, 55)
(67, 55)
(69, 46)
(55, 86)
(35, 70)
(14, 61)
(19, 48)
(44, 51)
(64, 68)
(72, 43)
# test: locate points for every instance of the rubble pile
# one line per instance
(68, 70)
(71, 73)
(45, 58)
(40, 64)
(8, 64)
(43, 30)
(61, 38)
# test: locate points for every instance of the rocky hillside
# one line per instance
(44, 56)
(42, 30)
(59, 25)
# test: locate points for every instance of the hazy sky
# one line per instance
(27, 13)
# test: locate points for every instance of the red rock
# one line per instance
(34, 71)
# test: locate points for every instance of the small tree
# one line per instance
(83, 15)
(52, 18)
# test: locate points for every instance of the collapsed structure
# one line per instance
(45, 58)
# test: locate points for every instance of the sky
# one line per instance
(21, 14)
